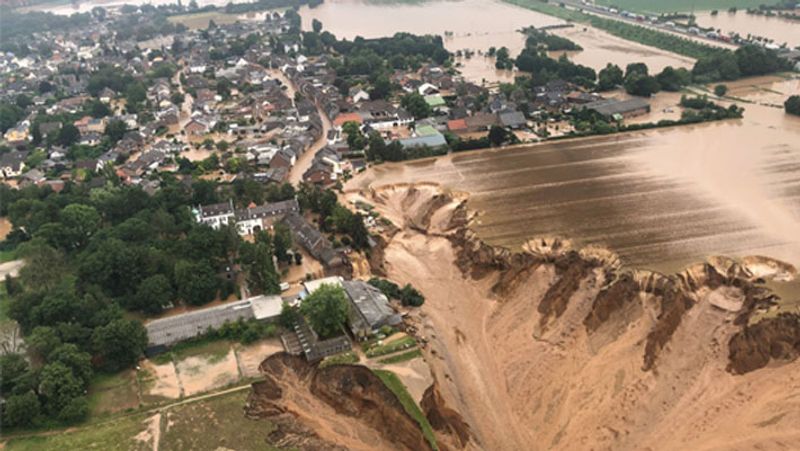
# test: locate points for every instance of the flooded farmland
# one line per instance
(778, 29)
(660, 199)
(477, 25)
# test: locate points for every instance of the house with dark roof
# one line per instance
(314, 242)
(369, 309)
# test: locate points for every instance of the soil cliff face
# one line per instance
(338, 407)
(554, 347)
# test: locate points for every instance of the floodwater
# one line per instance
(478, 25)
(661, 199)
(781, 30)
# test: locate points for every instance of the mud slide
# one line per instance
(338, 407)
(561, 348)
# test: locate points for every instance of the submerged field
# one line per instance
(663, 6)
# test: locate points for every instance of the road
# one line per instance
(589, 9)
(304, 161)
(11, 268)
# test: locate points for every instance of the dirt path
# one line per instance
(11, 268)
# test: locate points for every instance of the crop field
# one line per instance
(665, 6)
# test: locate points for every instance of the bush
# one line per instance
(792, 105)
(720, 90)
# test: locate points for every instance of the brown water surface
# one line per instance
(661, 199)
(478, 25)
(781, 30)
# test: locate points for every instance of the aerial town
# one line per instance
(314, 232)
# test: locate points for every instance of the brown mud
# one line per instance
(553, 347)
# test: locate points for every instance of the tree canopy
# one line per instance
(326, 310)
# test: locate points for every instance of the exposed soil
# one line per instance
(337, 407)
(558, 348)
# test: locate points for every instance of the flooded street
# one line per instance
(478, 25)
(661, 199)
(781, 30)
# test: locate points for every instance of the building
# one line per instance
(304, 341)
(314, 242)
(250, 220)
(619, 109)
(165, 332)
(12, 164)
(369, 309)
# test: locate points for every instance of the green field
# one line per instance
(410, 355)
(210, 424)
(396, 386)
(201, 20)
(111, 393)
(667, 6)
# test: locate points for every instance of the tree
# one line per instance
(155, 293)
(326, 310)
(641, 85)
(415, 104)
(115, 130)
(10, 114)
(636, 69)
(792, 105)
(80, 222)
(316, 25)
(610, 77)
(381, 88)
(76, 360)
(282, 242)
(68, 135)
(119, 344)
(12, 366)
(21, 410)
(197, 284)
(43, 340)
(672, 80)
(23, 101)
(720, 90)
(257, 260)
(288, 317)
(58, 387)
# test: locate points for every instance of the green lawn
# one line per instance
(665, 6)
(201, 20)
(7, 256)
(396, 386)
(394, 346)
(3, 304)
(402, 357)
(111, 393)
(212, 349)
(116, 435)
(214, 424)
(349, 357)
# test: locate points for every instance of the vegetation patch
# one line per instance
(118, 435)
(347, 358)
(111, 393)
(190, 426)
(396, 386)
(656, 6)
(411, 355)
(394, 346)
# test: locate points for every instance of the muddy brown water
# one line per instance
(779, 29)
(661, 199)
(478, 25)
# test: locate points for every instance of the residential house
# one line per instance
(12, 164)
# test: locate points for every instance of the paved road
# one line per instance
(589, 9)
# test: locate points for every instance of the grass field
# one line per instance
(393, 346)
(666, 6)
(116, 435)
(211, 424)
(111, 393)
(201, 20)
(214, 350)
(7, 256)
(218, 423)
(3, 304)
(396, 386)
(402, 357)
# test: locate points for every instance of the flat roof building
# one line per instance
(165, 332)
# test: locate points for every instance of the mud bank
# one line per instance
(340, 407)
(554, 347)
